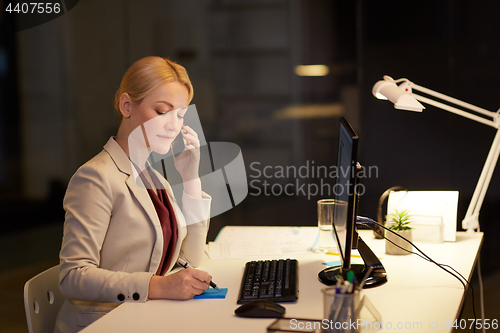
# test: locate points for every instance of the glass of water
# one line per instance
(330, 212)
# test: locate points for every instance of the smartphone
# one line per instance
(178, 145)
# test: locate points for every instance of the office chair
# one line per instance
(42, 300)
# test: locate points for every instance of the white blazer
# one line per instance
(113, 242)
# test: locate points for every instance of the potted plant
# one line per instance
(399, 223)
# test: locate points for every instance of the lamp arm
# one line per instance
(453, 100)
(459, 112)
(494, 122)
(471, 219)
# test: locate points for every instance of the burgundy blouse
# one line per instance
(167, 218)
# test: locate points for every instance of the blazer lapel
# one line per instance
(138, 190)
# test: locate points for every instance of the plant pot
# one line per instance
(393, 249)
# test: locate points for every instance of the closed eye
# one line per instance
(180, 113)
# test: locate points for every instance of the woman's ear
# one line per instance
(125, 103)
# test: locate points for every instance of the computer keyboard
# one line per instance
(270, 280)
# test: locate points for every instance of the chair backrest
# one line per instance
(42, 300)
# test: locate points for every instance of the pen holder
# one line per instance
(341, 310)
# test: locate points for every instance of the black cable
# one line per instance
(422, 256)
(442, 267)
(426, 257)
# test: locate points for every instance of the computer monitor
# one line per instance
(347, 164)
(345, 231)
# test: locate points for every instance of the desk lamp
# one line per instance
(403, 98)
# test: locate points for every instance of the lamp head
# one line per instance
(399, 95)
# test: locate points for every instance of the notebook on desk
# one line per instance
(245, 242)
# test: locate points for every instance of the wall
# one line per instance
(241, 55)
(450, 47)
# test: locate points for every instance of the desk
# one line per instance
(417, 292)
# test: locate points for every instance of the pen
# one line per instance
(352, 255)
(350, 276)
(337, 254)
(185, 264)
(337, 287)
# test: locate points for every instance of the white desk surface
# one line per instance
(416, 292)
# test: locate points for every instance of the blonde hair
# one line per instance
(147, 74)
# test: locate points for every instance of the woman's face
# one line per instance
(161, 115)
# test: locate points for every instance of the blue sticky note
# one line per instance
(212, 293)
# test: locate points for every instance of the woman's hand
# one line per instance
(182, 285)
(188, 163)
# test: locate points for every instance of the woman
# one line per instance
(124, 230)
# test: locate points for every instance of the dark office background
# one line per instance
(58, 79)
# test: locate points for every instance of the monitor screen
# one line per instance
(345, 189)
(371, 272)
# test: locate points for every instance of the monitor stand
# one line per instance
(377, 277)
